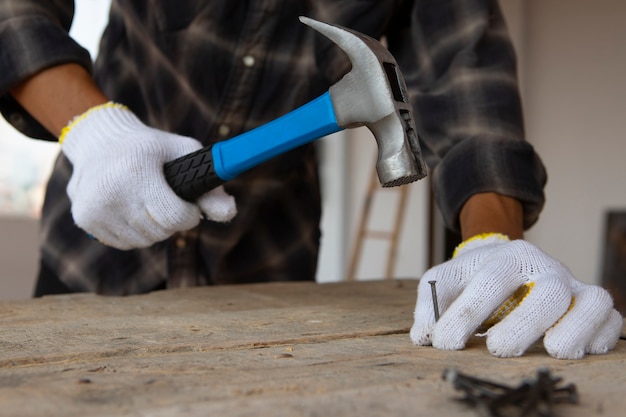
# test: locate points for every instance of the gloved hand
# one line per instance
(522, 294)
(118, 191)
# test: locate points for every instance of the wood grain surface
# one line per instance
(283, 349)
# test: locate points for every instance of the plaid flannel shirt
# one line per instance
(214, 69)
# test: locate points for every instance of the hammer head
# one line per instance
(374, 94)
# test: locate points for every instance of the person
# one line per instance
(173, 76)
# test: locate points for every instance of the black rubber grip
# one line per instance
(192, 175)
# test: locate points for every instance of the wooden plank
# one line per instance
(217, 318)
(265, 350)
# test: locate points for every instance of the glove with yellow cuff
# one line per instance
(519, 294)
(118, 191)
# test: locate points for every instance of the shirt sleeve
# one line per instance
(34, 36)
(460, 68)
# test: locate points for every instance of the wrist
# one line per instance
(492, 213)
(479, 240)
(110, 107)
(57, 94)
(103, 129)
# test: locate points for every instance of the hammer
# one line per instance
(373, 94)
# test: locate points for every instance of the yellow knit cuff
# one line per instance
(482, 236)
(77, 119)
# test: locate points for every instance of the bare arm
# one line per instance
(491, 212)
(56, 95)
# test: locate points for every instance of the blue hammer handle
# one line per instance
(194, 174)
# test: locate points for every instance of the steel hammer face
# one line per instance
(374, 94)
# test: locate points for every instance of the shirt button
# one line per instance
(181, 243)
(223, 130)
(17, 121)
(248, 61)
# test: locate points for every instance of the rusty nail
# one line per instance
(433, 290)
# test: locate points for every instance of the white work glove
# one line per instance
(518, 292)
(118, 190)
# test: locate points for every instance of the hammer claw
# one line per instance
(374, 94)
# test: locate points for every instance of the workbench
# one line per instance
(281, 349)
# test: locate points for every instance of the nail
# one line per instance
(433, 290)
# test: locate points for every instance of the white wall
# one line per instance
(18, 256)
(574, 66)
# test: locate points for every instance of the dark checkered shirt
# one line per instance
(213, 69)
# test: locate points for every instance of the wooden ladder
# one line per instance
(392, 235)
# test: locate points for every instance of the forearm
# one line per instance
(491, 212)
(56, 95)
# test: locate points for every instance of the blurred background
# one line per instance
(571, 62)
